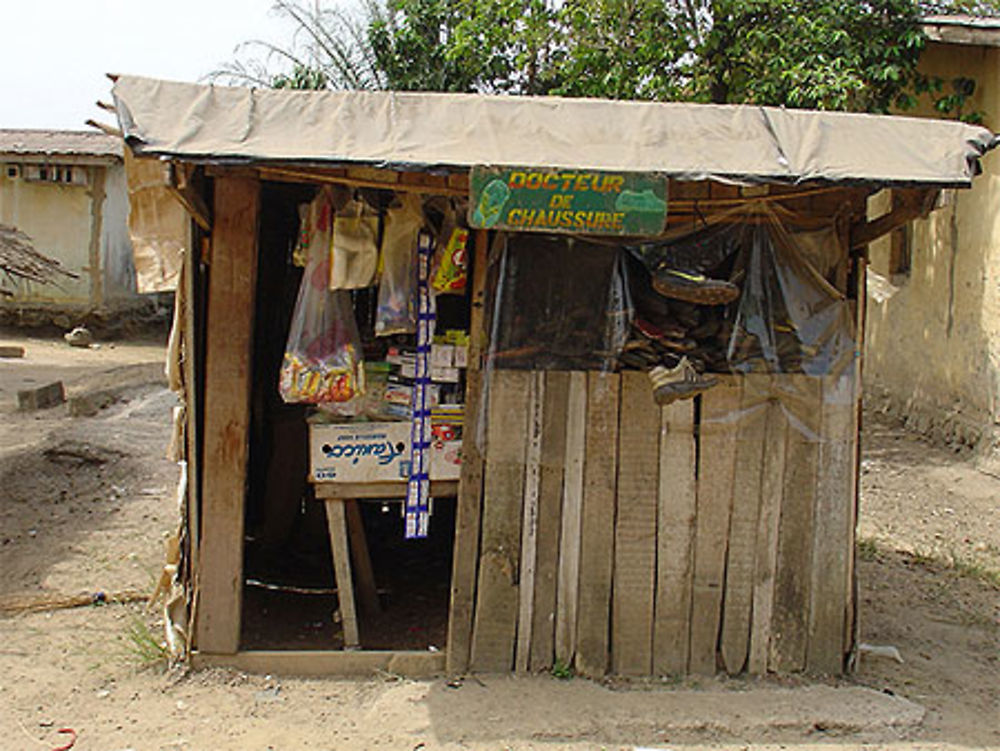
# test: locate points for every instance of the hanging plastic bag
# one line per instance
(354, 250)
(451, 272)
(323, 353)
(397, 291)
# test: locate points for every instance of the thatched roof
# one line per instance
(20, 260)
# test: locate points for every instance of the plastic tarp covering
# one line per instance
(788, 318)
(158, 226)
(560, 303)
(689, 141)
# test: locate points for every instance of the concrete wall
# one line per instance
(61, 219)
(116, 247)
(933, 348)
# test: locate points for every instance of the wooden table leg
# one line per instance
(361, 559)
(337, 524)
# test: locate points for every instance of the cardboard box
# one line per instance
(359, 452)
(442, 356)
(446, 460)
(373, 452)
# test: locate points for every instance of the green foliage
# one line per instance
(142, 648)
(817, 54)
(301, 77)
(562, 671)
(857, 55)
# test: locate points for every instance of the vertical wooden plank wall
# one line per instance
(635, 527)
(597, 537)
(232, 280)
(716, 465)
(622, 537)
(494, 630)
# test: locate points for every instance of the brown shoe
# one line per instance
(693, 287)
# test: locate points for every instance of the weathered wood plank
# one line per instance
(570, 530)
(327, 663)
(598, 523)
(336, 522)
(833, 538)
(766, 555)
(677, 489)
(228, 367)
(529, 521)
(800, 396)
(497, 591)
(716, 464)
(468, 512)
(635, 527)
(361, 560)
(553, 459)
(743, 523)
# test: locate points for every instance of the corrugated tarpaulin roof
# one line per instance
(455, 131)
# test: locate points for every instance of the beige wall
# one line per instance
(59, 220)
(933, 348)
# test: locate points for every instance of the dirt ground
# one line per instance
(85, 503)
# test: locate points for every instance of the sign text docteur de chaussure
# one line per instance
(561, 200)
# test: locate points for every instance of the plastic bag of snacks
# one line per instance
(451, 273)
(323, 353)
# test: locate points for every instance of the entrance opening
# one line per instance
(290, 593)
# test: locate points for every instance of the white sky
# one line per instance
(54, 53)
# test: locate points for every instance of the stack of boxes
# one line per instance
(389, 394)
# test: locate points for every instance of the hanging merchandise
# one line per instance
(397, 294)
(451, 272)
(417, 509)
(323, 351)
(354, 249)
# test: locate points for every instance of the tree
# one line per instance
(858, 55)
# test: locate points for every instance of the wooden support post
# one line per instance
(597, 539)
(361, 559)
(470, 491)
(907, 206)
(337, 524)
(635, 527)
(228, 373)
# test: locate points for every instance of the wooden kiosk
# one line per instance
(594, 529)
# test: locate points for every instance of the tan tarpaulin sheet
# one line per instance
(690, 141)
(158, 226)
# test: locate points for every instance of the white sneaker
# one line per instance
(679, 382)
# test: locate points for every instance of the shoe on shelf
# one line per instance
(693, 287)
(682, 381)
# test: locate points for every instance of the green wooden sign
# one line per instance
(560, 200)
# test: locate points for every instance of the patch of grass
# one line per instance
(562, 671)
(867, 549)
(142, 648)
(975, 570)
